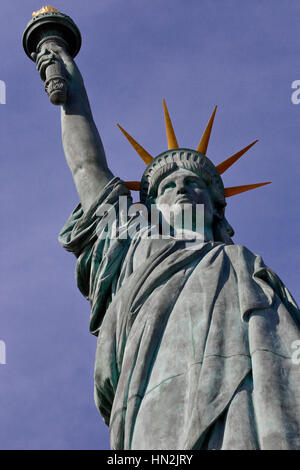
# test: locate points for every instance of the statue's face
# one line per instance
(184, 187)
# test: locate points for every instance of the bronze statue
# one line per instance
(194, 332)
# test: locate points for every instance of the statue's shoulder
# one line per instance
(236, 251)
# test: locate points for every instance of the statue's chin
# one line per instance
(186, 234)
(181, 206)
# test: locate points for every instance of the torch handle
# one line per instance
(55, 82)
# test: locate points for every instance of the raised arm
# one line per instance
(81, 140)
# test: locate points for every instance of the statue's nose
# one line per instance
(181, 188)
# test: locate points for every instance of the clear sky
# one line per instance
(242, 56)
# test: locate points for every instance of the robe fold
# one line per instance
(194, 346)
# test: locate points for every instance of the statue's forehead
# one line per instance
(179, 173)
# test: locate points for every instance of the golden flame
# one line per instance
(44, 10)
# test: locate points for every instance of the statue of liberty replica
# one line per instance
(194, 332)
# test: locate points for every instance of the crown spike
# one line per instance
(147, 158)
(171, 137)
(133, 185)
(202, 147)
(222, 167)
(232, 191)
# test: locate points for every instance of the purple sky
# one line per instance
(242, 56)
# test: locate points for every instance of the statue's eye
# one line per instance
(192, 182)
(169, 185)
(195, 183)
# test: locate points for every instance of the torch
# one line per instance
(47, 28)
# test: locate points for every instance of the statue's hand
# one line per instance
(53, 52)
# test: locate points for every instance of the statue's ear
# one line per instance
(218, 216)
(222, 229)
(229, 229)
(218, 213)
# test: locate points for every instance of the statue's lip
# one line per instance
(183, 198)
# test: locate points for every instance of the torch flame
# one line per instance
(44, 10)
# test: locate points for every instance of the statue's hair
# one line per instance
(172, 161)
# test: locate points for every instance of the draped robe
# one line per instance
(194, 346)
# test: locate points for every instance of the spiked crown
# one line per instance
(196, 161)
